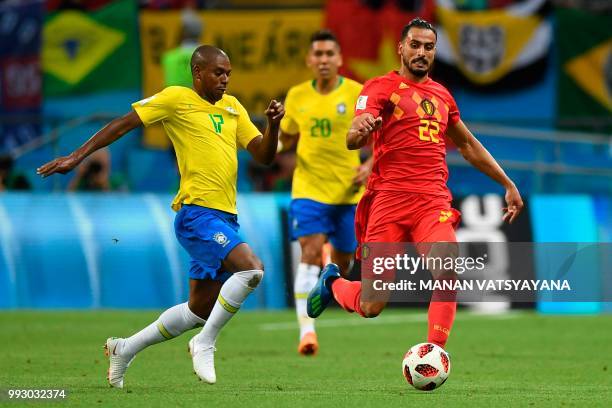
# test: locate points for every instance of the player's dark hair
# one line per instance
(324, 35)
(419, 23)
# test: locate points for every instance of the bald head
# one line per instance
(210, 68)
(205, 55)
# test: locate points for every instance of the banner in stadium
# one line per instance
(91, 52)
(482, 224)
(369, 35)
(585, 78)
(105, 238)
(20, 79)
(267, 50)
(505, 47)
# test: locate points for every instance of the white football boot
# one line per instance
(118, 364)
(203, 362)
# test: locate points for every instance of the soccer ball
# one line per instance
(426, 366)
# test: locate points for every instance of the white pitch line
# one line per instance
(395, 319)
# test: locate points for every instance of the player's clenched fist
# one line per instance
(366, 124)
(275, 111)
(361, 128)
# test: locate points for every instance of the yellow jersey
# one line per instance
(206, 138)
(325, 167)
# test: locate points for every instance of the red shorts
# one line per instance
(399, 216)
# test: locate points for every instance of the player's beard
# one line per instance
(419, 73)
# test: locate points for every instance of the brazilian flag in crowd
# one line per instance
(585, 78)
(91, 52)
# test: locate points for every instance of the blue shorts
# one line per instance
(208, 236)
(336, 221)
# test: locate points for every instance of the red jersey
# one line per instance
(409, 149)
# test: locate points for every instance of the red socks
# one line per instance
(441, 315)
(442, 308)
(347, 294)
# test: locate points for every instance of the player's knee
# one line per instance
(442, 251)
(252, 263)
(311, 255)
(256, 277)
(371, 309)
(251, 278)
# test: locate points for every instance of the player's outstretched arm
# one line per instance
(362, 127)
(105, 136)
(476, 154)
(263, 148)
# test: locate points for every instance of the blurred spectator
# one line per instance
(84, 5)
(276, 177)
(598, 6)
(10, 180)
(93, 174)
(177, 4)
(404, 5)
(176, 63)
(285, 165)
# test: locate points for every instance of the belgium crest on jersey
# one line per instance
(428, 107)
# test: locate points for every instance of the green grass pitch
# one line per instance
(520, 359)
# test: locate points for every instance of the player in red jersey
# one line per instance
(406, 115)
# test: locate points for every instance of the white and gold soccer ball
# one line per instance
(426, 366)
